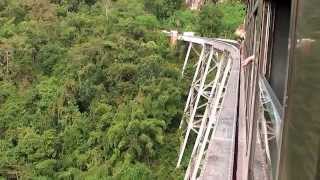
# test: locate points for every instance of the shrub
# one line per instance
(210, 21)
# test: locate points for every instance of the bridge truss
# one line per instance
(228, 139)
(217, 62)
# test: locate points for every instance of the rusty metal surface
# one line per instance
(242, 171)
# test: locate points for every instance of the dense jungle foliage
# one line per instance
(90, 89)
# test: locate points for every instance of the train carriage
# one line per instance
(280, 91)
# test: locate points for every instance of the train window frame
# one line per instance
(272, 87)
(277, 60)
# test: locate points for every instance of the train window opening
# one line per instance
(278, 57)
(272, 82)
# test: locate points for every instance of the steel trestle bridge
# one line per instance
(214, 85)
(214, 125)
(257, 119)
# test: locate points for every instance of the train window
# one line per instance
(279, 47)
(272, 83)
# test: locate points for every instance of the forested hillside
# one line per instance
(90, 89)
